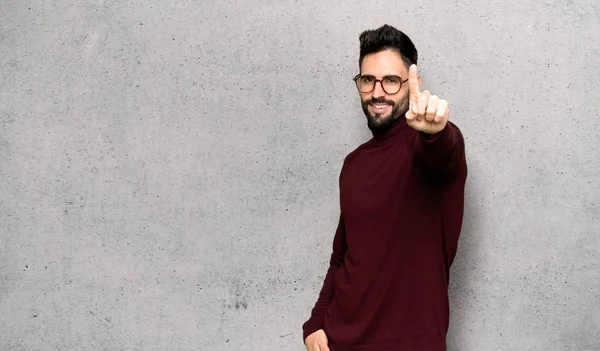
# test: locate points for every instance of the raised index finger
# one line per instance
(413, 82)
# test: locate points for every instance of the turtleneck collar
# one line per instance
(388, 134)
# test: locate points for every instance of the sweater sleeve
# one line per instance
(317, 318)
(441, 154)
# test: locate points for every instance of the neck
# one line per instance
(394, 128)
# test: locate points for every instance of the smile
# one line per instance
(379, 108)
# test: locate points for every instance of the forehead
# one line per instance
(387, 62)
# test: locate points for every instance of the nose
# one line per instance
(378, 90)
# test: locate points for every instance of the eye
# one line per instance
(366, 79)
(391, 80)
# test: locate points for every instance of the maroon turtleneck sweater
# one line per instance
(401, 198)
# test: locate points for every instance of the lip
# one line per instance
(376, 108)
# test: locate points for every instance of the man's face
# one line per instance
(381, 108)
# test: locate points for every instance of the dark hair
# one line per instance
(387, 37)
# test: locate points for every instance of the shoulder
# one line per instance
(356, 152)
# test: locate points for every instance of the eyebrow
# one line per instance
(386, 76)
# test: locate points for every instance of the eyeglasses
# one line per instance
(390, 84)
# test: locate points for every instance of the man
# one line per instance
(401, 199)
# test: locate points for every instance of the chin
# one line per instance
(378, 118)
(375, 122)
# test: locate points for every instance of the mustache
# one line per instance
(380, 101)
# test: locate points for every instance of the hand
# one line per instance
(427, 113)
(317, 341)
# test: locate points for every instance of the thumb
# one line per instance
(324, 347)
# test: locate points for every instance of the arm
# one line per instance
(317, 317)
(439, 145)
(442, 153)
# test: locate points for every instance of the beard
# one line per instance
(376, 121)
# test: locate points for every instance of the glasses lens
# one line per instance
(391, 85)
(365, 84)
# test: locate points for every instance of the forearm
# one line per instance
(442, 154)
(317, 317)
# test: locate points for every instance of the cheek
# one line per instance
(364, 97)
(403, 100)
(398, 102)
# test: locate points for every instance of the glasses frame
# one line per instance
(380, 81)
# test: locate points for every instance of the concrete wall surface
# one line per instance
(169, 169)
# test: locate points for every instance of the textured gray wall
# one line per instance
(168, 171)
